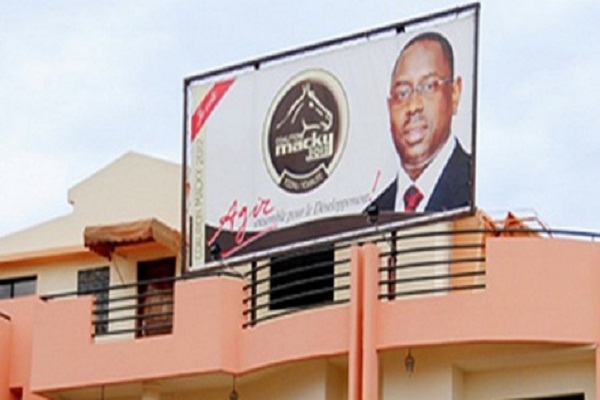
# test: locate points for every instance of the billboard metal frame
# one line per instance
(258, 63)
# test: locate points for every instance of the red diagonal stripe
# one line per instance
(208, 104)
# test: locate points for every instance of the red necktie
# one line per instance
(412, 198)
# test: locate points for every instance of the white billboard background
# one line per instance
(229, 147)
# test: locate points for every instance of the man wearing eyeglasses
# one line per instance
(435, 171)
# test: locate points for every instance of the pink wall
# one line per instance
(294, 337)
(22, 315)
(5, 337)
(542, 290)
(537, 291)
(207, 316)
(207, 337)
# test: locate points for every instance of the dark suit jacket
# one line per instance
(453, 189)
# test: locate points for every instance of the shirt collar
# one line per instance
(427, 180)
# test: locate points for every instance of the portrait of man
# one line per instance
(434, 170)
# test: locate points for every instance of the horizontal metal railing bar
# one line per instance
(134, 306)
(107, 310)
(135, 330)
(289, 271)
(428, 234)
(292, 310)
(207, 272)
(295, 297)
(431, 263)
(282, 258)
(293, 271)
(266, 261)
(433, 249)
(135, 296)
(291, 298)
(556, 232)
(135, 317)
(117, 299)
(457, 232)
(296, 270)
(431, 291)
(297, 283)
(338, 241)
(218, 271)
(431, 277)
(111, 288)
(162, 302)
(477, 243)
(289, 256)
(195, 274)
(149, 329)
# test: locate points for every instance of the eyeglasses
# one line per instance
(426, 88)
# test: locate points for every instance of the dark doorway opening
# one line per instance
(155, 297)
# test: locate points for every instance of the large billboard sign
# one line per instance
(295, 147)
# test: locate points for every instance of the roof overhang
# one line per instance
(104, 240)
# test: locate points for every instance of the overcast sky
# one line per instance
(83, 82)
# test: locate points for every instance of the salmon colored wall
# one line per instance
(355, 335)
(317, 333)
(21, 312)
(207, 316)
(5, 338)
(207, 337)
(538, 290)
(545, 290)
(370, 367)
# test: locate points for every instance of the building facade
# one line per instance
(96, 305)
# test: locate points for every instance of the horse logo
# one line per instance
(309, 111)
(305, 131)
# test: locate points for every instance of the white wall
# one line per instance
(489, 371)
(529, 382)
(309, 380)
(132, 187)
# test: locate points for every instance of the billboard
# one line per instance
(295, 147)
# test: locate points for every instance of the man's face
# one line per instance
(420, 118)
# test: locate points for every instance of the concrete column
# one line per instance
(355, 333)
(370, 362)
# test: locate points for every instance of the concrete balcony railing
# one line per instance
(428, 260)
(318, 302)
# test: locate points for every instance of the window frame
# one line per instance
(14, 283)
(100, 294)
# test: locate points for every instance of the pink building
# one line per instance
(94, 306)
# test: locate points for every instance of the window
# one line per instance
(96, 281)
(302, 280)
(17, 287)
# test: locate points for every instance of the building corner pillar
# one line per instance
(355, 325)
(370, 364)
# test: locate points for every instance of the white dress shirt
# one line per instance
(427, 180)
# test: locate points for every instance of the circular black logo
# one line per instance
(305, 131)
